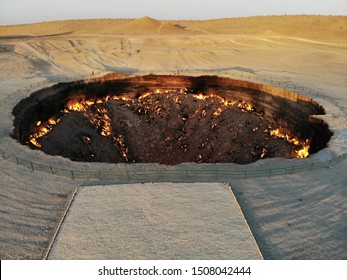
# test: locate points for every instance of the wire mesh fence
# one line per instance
(182, 173)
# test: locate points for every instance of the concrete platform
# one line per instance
(155, 221)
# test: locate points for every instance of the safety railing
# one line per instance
(171, 175)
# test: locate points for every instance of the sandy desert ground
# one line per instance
(299, 216)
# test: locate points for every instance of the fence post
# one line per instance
(128, 175)
(3, 154)
(17, 160)
(270, 172)
(187, 178)
(32, 166)
(51, 168)
(72, 175)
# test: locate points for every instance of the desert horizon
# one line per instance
(287, 24)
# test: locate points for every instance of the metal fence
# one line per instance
(171, 175)
(181, 174)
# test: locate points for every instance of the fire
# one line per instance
(82, 106)
(277, 133)
(157, 110)
(263, 153)
(76, 106)
(106, 129)
(119, 143)
(86, 139)
(101, 121)
(177, 100)
(43, 130)
(218, 112)
(89, 102)
(303, 153)
(303, 145)
(52, 121)
(145, 95)
(126, 98)
(228, 103)
(245, 107)
(200, 96)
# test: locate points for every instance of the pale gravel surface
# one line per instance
(31, 205)
(155, 221)
(299, 216)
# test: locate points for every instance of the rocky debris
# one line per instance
(166, 128)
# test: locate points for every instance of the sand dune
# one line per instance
(326, 28)
(144, 25)
(149, 26)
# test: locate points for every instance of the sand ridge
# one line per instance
(325, 28)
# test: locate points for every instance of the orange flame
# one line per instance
(304, 146)
(263, 153)
(119, 143)
(43, 129)
(106, 129)
(218, 112)
(200, 96)
(76, 106)
(245, 107)
(304, 152)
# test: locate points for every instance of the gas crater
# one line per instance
(169, 120)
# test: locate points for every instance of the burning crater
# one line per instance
(169, 120)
